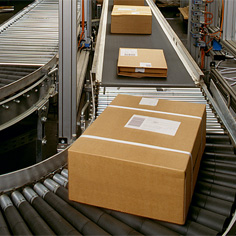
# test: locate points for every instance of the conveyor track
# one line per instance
(34, 201)
(28, 55)
(45, 197)
(31, 37)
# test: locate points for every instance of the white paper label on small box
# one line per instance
(139, 70)
(126, 9)
(128, 52)
(149, 101)
(135, 13)
(145, 64)
(152, 124)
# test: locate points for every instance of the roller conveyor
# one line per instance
(37, 197)
(212, 206)
(32, 38)
(28, 58)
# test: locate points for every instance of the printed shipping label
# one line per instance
(152, 124)
(149, 101)
(145, 64)
(135, 13)
(126, 9)
(128, 52)
(139, 70)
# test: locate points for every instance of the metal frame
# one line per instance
(176, 43)
(229, 32)
(182, 52)
(88, 19)
(67, 69)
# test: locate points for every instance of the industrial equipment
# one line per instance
(36, 198)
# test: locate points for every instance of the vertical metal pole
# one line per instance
(229, 20)
(88, 17)
(67, 70)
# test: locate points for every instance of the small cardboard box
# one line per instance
(131, 19)
(140, 156)
(137, 62)
(129, 2)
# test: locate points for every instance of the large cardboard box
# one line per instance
(129, 2)
(139, 62)
(140, 156)
(131, 19)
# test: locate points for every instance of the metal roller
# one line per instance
(3, 226)
(216, 205)
(14, 219)
(79, 221)
(98, 216)
(49, 214)
(190, 228)
(143, 225)
(32, 218)
(217, 191)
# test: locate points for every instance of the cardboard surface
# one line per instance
(137, 62)
(138, 171)
(127, 19)
(129, 2)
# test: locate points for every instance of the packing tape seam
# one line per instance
(168, 113)
(147, 146)
(158, 112)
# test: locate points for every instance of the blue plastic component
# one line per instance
(217, 46)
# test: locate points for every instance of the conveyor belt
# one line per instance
(38, 199)
(178, 76)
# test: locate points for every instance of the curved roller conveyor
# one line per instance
(35, 199)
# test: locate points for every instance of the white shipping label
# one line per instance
(135, 13)
(139, 70)
(149, 101)
(145, 64)
(126, 9)
(128, 52)
(157, 125)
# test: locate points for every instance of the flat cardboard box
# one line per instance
(139, 62)
(140, 156)
(129, 2)
(127, 19)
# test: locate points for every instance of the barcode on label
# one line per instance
(136, 121)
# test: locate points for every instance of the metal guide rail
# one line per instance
(33, 200)
(28, 59)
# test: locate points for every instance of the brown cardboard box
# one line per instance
(139, 157)
(137, 62)
(129, 2)
(131, 19)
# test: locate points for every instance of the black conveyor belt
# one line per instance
(177, 73)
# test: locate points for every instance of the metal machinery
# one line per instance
(33, 200)
(212, 42)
